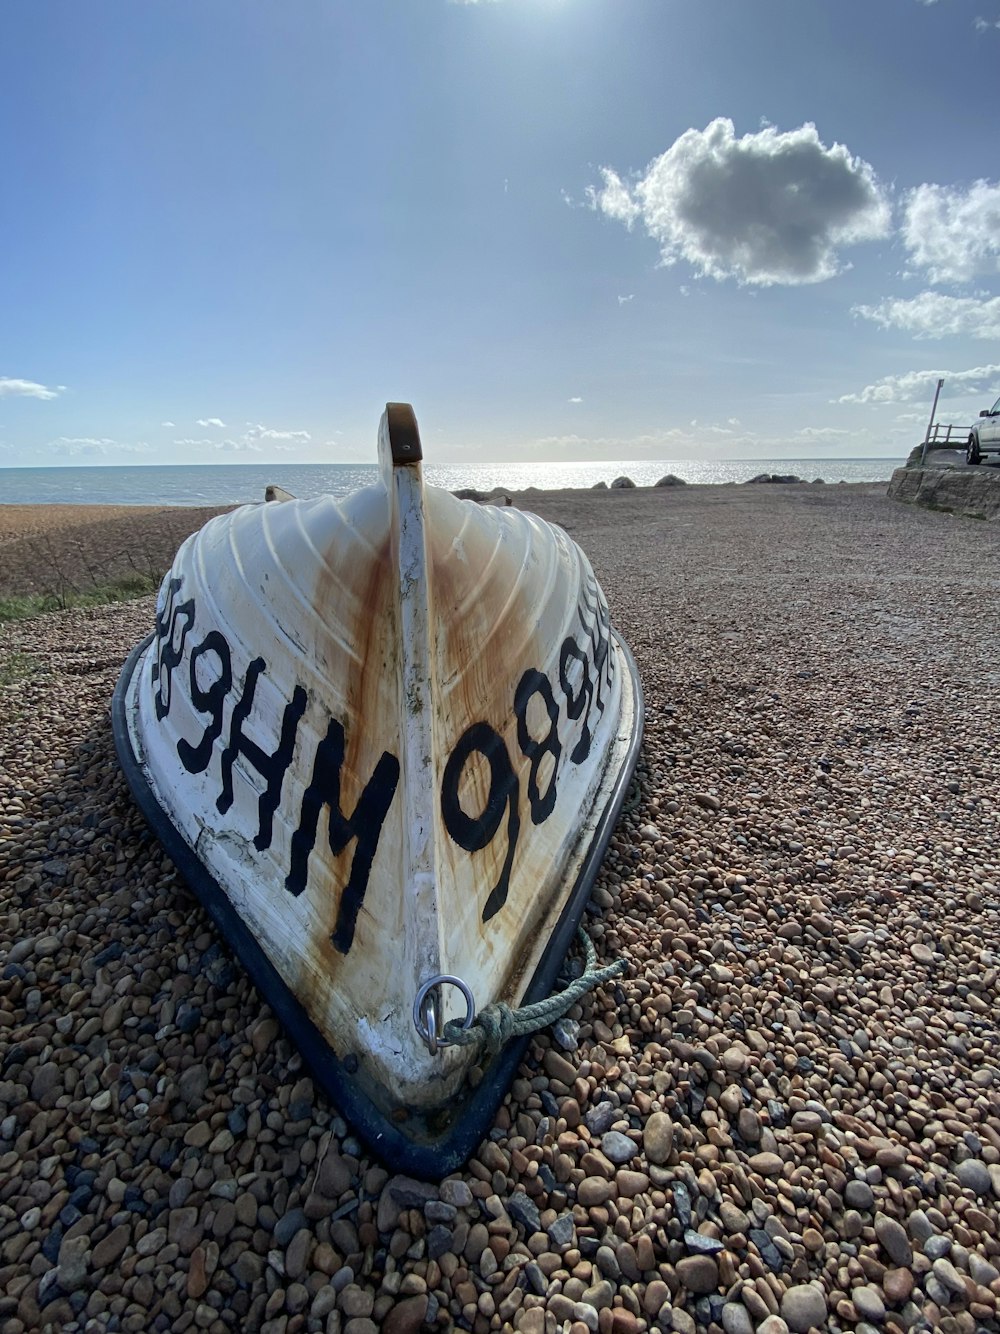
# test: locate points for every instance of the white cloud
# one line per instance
(933, 315)
(614, 198)
(766, 208)
(919, 385)
(211, 421)
(712, 428)
(166, 423)
(10, 388)
(574, 400)
(698, 441)
(238, 446)
(983, 25)
(250, 441)
(77, 445)
(266, 433)
(647, 444)
(954, 234)
(623, 300)
(87, 446)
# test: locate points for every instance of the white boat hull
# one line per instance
(387, 738)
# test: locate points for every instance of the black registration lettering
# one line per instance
(586, 666)
(172, 627)
(594, 618)
(535, 683)
(474, 832)
(577, 705)
(363, 825)
(271, 767)
(207, 699)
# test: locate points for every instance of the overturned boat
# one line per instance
(385, 739)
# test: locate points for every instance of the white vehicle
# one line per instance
(984, 438)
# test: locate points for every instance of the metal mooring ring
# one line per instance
(425, 1015)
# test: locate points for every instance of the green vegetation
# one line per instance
(29, 605)
(15, 667)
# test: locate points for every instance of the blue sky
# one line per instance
(563, 229)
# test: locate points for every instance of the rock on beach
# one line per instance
(782, 1117)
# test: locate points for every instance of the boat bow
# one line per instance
(386, 739)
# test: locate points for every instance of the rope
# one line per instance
(633, 798)
(496, 1024)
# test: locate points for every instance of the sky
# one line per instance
(562, 229)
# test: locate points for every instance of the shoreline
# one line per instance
(45, 548)
(579, 491)
(221, 484)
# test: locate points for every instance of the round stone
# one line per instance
(618, 1147)
(456, 1192)
(658, 1137)
(868, 1303)
(974, 1175)
(858, 1195)
(893, 1240)
(594, 1191)
(808, 1123)
(767, 1164)
(736, 1319)
(748, 1125)
(937, 1246)
(897, 1285)
(919, 1226)
(698, 1273)
(804, 1306)
(734, 1059)
(947, 1274)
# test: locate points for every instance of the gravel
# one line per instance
(784, 1116)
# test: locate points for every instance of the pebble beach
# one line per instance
(785, 1116)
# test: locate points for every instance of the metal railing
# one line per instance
(940, 436)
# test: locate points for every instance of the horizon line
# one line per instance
(518, 463)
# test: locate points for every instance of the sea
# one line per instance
(237, 483)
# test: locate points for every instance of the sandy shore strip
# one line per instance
(52, 548)
(786, 1116)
